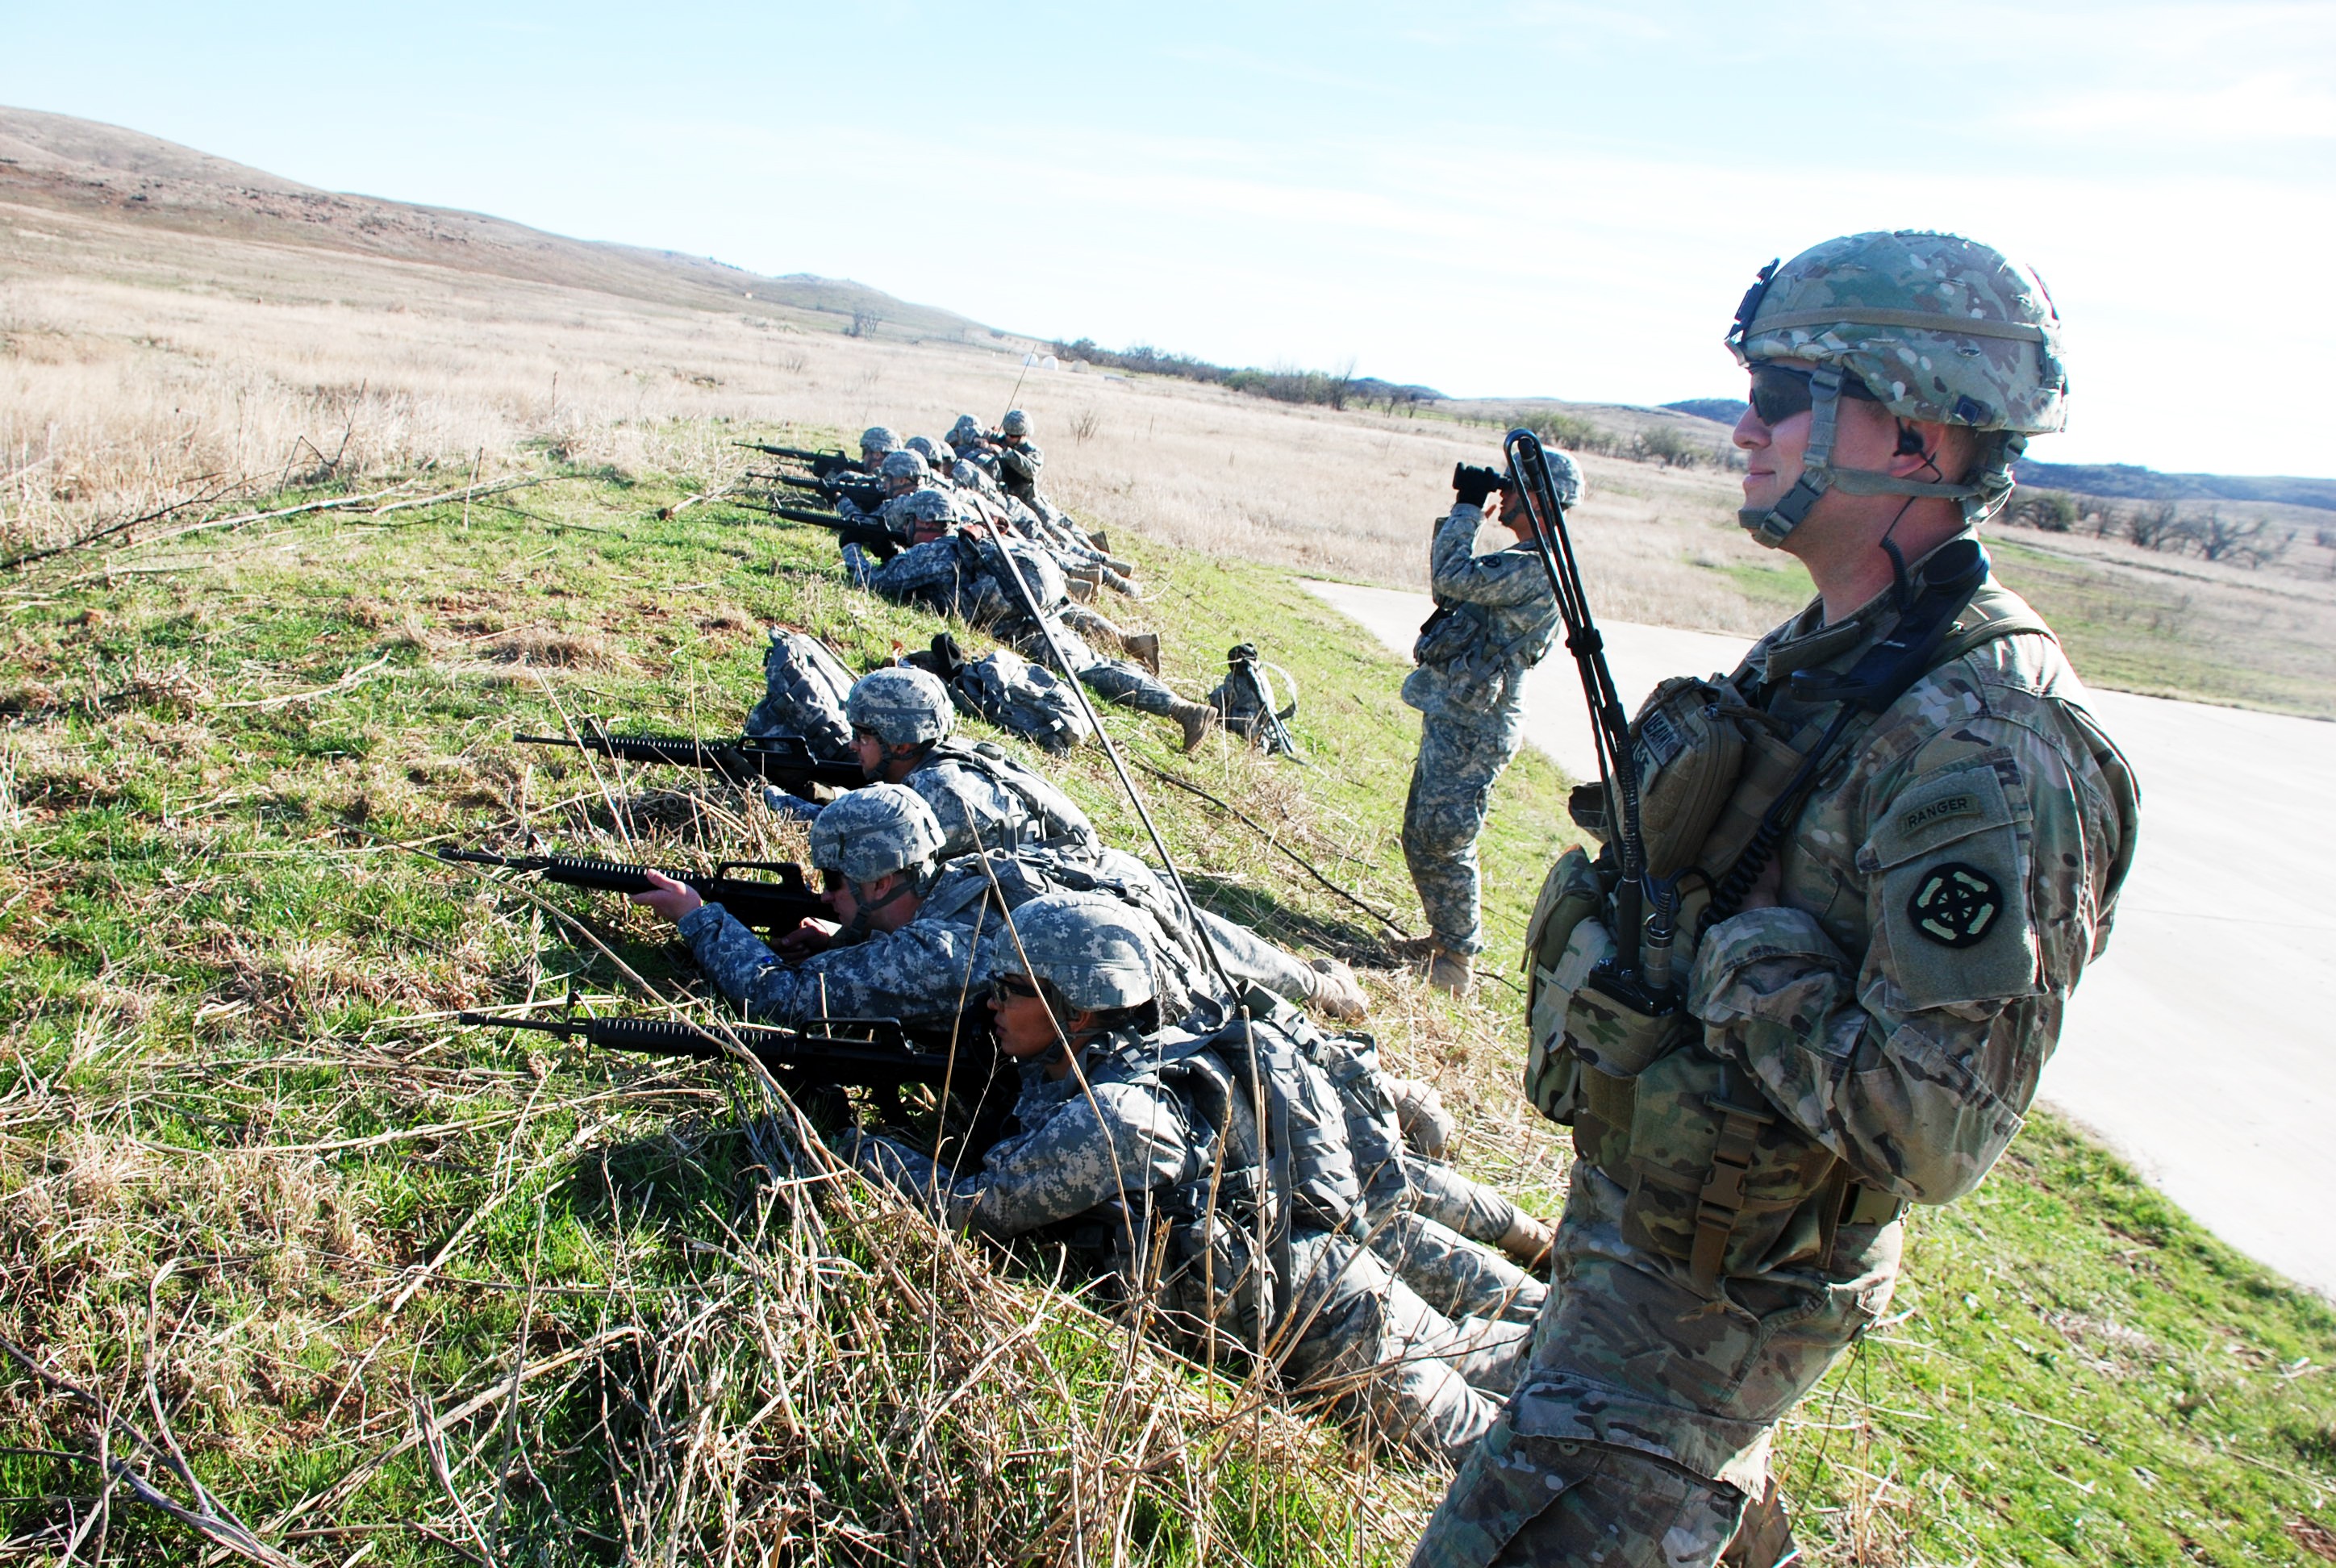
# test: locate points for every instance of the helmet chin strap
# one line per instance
(1771, 525)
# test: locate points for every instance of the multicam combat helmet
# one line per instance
(900, 706)
(1087, 945)
(1937, 327)
(875, 830)
(877, 440)
(1016, 424)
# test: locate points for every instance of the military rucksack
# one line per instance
(804, 689)
(1008, 690)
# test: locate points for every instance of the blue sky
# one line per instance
(1558, 199)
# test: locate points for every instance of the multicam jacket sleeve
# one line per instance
(1936, 906)
(917, 973)
(1082, 1145)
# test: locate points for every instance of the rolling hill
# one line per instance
(67, 164)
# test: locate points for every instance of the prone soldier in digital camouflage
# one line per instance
(1908, 834)
(901, 720)
(1019, 460)
(876, 442)
(971, 573)
(1149, 1134)
(1494, 621)
(906, 919)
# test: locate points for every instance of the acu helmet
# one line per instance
(1936, 327)
(905, 464)
(900, 706)
(1087, 945)
(877, 440)
(1016, 424)
(876, 831)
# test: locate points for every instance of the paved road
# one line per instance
(2201, 1047)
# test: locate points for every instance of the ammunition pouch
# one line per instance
(1713, 1175)
(1612, 1038)
(1564, 942)
(1689, 739)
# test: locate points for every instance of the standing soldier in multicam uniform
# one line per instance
(1866, 1016)
(1494, 621)
(1149, 1133)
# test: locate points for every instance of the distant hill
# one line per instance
(1724, 411)
(2128, 482)
(57, 162)
(2115, 481)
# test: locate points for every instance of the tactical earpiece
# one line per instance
(1910, 440)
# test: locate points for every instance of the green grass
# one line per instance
(2180, 637)
(240, 1121)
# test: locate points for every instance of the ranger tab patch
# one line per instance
(1955, 905)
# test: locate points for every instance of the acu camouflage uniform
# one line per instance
(960, 577)
(1116, 1145)
(1884, 1026)
(1019, 464)
(1495, 620)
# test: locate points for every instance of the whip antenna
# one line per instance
(1642, 942)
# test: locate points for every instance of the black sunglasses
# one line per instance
(1004, 989)
(1780, 392)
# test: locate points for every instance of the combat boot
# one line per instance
(1144, 647)
(1336, 992)
(1450, 971)
(1198, 719)
(1528, 1241)
(1420, 1111)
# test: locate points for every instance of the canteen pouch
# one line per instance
(1690, 751)
(1572, 898)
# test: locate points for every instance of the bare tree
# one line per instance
(2155, 526)
(1342, 381)
(864, 323)
(2250, 543)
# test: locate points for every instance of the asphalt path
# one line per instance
(2200, 1047)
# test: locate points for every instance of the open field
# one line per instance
(407, 1293)
(140, 366)
(402, 1284)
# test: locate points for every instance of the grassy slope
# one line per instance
(218, 967)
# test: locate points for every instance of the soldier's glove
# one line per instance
(1471, 484)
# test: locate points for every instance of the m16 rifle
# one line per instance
(785, 760)
(772, 905)
(867, 494)
(957, 1057)
(822, 463)
(868, 536)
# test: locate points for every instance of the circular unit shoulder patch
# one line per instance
(1955, 905)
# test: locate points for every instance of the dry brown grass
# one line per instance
(135, 363)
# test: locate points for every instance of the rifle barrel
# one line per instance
(884, 1057)
(783, 760)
